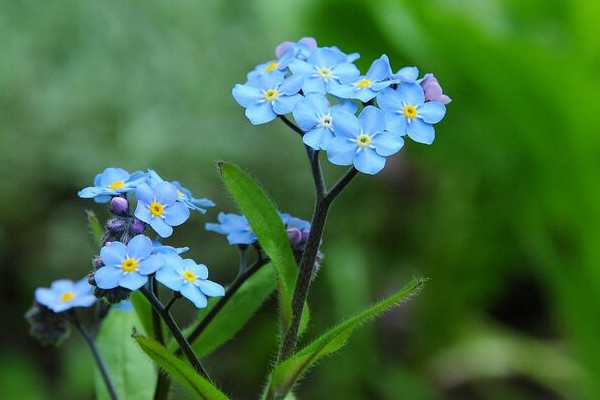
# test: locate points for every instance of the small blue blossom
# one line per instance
(235, 226)
(158, 206)
(188, 278)
(365, 88)
(300, 50)
(363, 141)
(112, 182)
(323, 68)
(128, 265)
(64, 294)
(406, 75)
(184, 195)
(268, 96)
(281, 64)
(315, 116)
(407, 112)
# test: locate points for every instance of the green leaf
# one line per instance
(133, 376)
(268, 227)
(186, 375)
(287, 373)
(95, 227)
(143, 309)
(238, 310)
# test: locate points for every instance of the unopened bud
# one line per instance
(295, 236)
(137, 226)
(115, 224)
(119, 206)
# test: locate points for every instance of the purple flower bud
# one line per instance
(119, 206)
(305, 233)
(115, 225)
(295, 236)
(137, 226)
(433, 90)
(309, 42)
(97, 262)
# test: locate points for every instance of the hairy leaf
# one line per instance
(95, 227)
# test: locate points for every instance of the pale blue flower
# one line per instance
(64, 294)
(158, 206)
(184, 195)
(112, 182)
(365, 88)
(236, 227)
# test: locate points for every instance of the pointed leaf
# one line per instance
(186, 375)
(95, 228)
(268, 227)
(287, 373)
(143, 309)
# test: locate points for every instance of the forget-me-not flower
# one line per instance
(315, 116)
(158, 206)
(406, 75)
(407, 112)
(365, 88)
(188, 278)
(300, 50)
(433, 90)
(363, 141)
(184, 195)
(128, 265)
(64, 294)
(268, 96)
(236, 227)
(112, 182)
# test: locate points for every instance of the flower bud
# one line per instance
(46, 325)
(119, 206)
(97, 263)
(116, 224)
(295, 236)
(433, 90)
(137, 226)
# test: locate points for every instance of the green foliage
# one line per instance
(95, 227)
(143, 310)
(196, 384)
(268, 227)
(133, 376)
(288, 372)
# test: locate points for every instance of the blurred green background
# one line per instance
(502, 212)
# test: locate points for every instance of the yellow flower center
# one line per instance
(179, 193)
(116, 185)
(324, 72)
(156, 209)
(271, 67)
(364, 83)
(409, 111)
(271, 94)
(129, 265)
(189, 276)
(67, 296)
(363, 140)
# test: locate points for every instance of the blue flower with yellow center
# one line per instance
(184, 195)
(323, 68)
(315, 115)
(365, 88)
(188, 278)
(159, 207)
(128, 265)
(363, 141)
(236, 227)
(64, 294)
(407, 112)
(268, 96)
(112, 182)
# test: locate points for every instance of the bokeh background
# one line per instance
(502, 212)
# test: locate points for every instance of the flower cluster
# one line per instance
(358, 119)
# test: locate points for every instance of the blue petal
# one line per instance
(285, 104)
(387, 143)
(368, 161)
(420, 131)
(113, 253)
(299, 67)
(246, 95)
(371, 120)
(139, 247)
(272, 80)
(133, 281)
(411, 94)
(111, 175)
(407, 74)
(108, 277)
(45, 296)
(144, 193)
(165, 193)
(212, 227)
(389, 100)
(313, 84)
(260, 113)
(83, 288)
(305, 114)
(318, 138)
(170, 278)
(61, 286)
(176, 214)
(345, 91)
(346, 72)
(210, 288)
(364, 95)
(395, 123)
(346, 125)
(347, 106)
(83, 301)
(241, 238)
(200, 270)
(163, 229)
(142, 212)
(150, 265)
(89, 192)
(292, 85)
(380, 69)
(194, 294)
(340, 151)
(432, 112)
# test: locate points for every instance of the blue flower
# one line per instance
(315, 116)
(128, 265)
(236, 227)
(112, 182)
(407, 112)
(158, 206)
(406, 75)
(365, 88)
(281, 65)
(268, 96)
(300, 50)
(184, 195)
(363, 141)
(323, 68)
(65, 294)
(188, 278)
